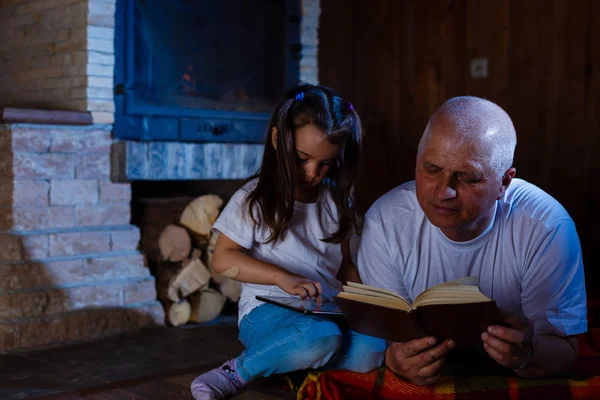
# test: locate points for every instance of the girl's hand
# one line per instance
(298, 285)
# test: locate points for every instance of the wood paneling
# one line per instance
(398, 61)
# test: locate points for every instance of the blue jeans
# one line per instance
(279, 340)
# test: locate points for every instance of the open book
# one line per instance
(451, 310)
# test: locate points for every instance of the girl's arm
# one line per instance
(348, 271)
(231, 260)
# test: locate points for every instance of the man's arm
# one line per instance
(348, 271)
(376, 265)
(556, 356)
(529, 355)
(553, 296)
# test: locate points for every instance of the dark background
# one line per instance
(398, 61)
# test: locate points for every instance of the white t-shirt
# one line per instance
(529, 258)
(300, 251)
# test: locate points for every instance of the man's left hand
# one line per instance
(509, 346)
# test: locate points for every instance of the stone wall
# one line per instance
(58, 54)
(309, 39)
(69, 265)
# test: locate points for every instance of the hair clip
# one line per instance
(299, 96)
(351, 106)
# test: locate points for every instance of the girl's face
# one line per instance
(314, 155)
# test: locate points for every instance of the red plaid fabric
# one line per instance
(382, 384)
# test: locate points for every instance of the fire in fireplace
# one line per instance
(203, 71)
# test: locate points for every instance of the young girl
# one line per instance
(281, 235)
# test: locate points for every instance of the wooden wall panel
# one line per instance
(379, 99)
(568, 175)
(409, 56)
(487, 28)
(526, 91)
(339, 70)
(454, 46)
(588, 224)
(547, 68)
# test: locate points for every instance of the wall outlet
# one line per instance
(479, 68)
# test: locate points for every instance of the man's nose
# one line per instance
(446, 189)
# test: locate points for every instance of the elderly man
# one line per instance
(466, 214)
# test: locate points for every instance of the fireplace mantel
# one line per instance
(134, 161)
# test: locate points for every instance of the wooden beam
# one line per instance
(53, 117)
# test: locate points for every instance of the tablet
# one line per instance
(308, 306)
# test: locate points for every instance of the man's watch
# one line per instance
(526, 359)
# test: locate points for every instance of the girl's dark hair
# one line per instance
(273, 195)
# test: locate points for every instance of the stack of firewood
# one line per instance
(178, 243)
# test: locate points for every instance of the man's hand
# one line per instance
(298, 285)
(420, 361)
(509, 345)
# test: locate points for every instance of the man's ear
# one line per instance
(506, 180)
(274, 137)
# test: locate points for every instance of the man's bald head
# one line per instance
(477, 121)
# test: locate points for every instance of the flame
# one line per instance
(189, 82)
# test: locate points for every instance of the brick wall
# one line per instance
(69, 265)
(58, 54)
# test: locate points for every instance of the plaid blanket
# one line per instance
(382, 384)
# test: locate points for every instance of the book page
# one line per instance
(399, 304)
(450, 297)
(350, 289)
(458, 291)
(354, 287)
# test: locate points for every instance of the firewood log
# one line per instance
(178, 280)
(232, 289)
(200, 215)
(153, 215)
(210, 249)
(149, 242)
(206, 305)
(174, 243)
(165, 243)
(178, 313)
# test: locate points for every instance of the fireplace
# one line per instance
(71, 268)
(195, 83)
(203, 71)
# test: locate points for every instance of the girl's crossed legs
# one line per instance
(278, 340)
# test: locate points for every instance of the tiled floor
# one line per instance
(153, 364)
